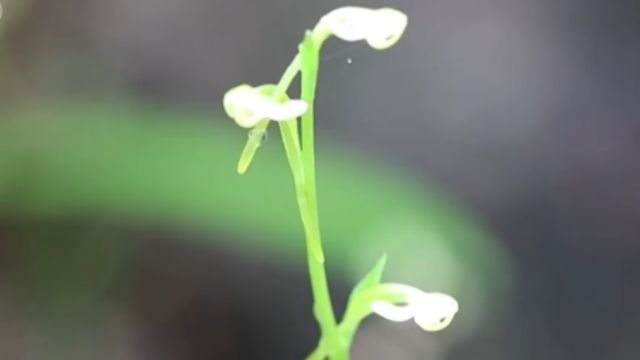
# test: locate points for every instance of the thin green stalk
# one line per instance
(330, 340)
(302, 163)
(254, 142)
(287, 77)
(317, 354)
(309, 54)
(322, 308)
(288, 131)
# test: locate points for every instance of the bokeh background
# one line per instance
(492, 153)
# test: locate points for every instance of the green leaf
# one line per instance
(146, 164)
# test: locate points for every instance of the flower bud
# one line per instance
(380, 28)
(247, 106)
(431, 311)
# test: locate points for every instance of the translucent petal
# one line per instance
(287, 110)
(391, 311)
(381, 28)
(430, 311)
(434, 311)
(248, 106)
(387, 29)
(349, 23)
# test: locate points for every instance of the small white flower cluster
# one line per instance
(431, 311)
(248, 106)
(380, 28)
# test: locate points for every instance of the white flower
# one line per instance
(247, 106)
(381, 28)
(431, 311)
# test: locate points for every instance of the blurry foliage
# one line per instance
(149, 165)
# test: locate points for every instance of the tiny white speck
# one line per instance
(349, 60)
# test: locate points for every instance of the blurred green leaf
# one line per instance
(146, 164)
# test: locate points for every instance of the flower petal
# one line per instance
(387, 28)
(248, 106)
(430, 311)
(287, 110)
(391, 311)
(381, 28)
(434, 311)
(349, 23)
(242, 104)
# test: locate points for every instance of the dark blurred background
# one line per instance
(493, 153)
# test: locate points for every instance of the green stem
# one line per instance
(322, 308)
(309, 54)
(302, 163)
(317, 354)
(287, 77)
(330, 340)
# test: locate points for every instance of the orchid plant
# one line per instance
(255, 107)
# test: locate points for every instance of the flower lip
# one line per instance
(382, 37)
(247, 106)
(435, 312)
(381, 28)
(431, 311)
